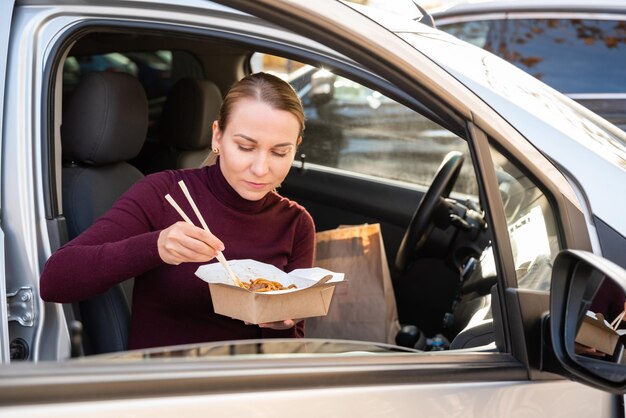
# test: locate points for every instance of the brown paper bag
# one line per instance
(364, 305)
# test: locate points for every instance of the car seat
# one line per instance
(482, 329)
(104, 125)
(184, 127)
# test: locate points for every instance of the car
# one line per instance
(575, 47)
(501, 221)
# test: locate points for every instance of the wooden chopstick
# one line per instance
(193, 204)
(220, 257)
(617, 320)
(178, 209)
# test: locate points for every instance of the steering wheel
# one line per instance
(421, 224)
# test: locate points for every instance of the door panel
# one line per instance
(6, 12)
(484, 400)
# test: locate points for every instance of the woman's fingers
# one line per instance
(183, 242)
(279, 325)
(204, 236)
(184, 250)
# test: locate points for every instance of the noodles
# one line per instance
(264, 285)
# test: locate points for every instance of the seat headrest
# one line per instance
(106, 120)
(190, 109)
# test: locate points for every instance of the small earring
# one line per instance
(216, 151)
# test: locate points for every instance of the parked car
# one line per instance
(576, 47)
(491, 282)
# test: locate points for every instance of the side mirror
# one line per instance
(587, 303)
(322, 87)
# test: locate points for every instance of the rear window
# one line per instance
(571, 55)
(155, 70)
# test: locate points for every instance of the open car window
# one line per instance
(372, 145)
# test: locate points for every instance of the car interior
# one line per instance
(370, 155)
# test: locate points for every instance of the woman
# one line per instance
(255, 138)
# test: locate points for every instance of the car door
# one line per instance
(497, 380)
(6, 11)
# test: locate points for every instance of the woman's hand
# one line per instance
(278, 325)
(182, 242)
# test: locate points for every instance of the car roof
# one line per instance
(503, 6)
(393, 21)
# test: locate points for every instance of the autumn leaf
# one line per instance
(531, 61)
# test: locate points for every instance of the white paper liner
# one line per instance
(248, 269)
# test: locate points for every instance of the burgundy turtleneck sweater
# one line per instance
(171, 305)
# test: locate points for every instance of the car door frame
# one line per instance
(6, 15)
(402, 74)
(458, 101)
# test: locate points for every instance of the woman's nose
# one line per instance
(260, 165)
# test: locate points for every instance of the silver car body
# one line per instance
(543, 126)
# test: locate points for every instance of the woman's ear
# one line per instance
(217, 134)
(298, 141)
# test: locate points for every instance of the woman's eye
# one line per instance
(245, 149)
(280, 154)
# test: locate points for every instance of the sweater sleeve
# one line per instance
(301, 257)
(303, 251)
(119, 245)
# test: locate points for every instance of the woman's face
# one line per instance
(257, 147)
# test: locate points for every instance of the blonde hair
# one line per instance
(263, 87)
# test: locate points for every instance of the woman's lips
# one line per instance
(256, 186)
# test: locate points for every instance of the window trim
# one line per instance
(40, 384)
(513, 15)
(80, 29)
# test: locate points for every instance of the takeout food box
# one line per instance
(596, 333)
(311, 297)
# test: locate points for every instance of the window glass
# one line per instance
(556, 51)
(156, 70)
(531, 222)
(472, 32)
(352, 127)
